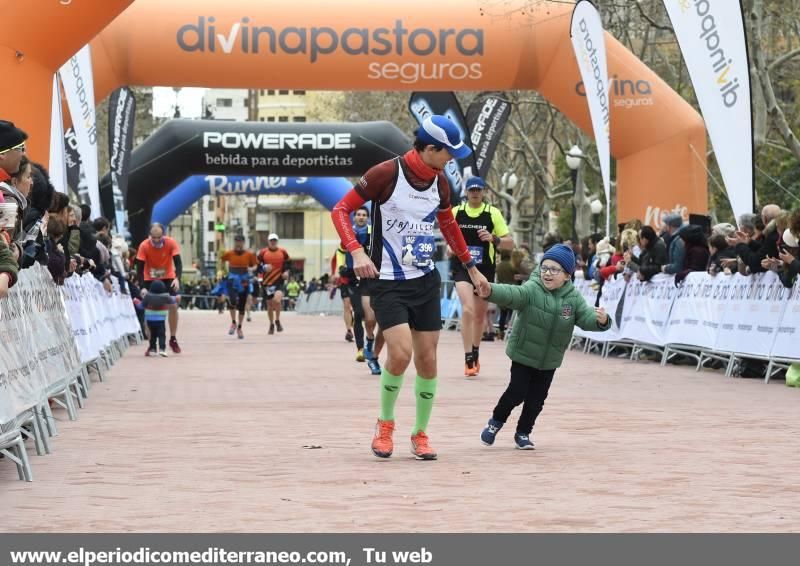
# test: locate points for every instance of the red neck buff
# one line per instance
(418, 167)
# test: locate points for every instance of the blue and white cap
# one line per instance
(442, 132)
(474, 182)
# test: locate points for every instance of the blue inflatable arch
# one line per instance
(326, 190)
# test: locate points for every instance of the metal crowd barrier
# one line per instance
(54, 339)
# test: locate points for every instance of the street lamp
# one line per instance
(574, 157)
(508, 182)
(597, 207)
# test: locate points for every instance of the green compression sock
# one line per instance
(390, 389)
(425, 390)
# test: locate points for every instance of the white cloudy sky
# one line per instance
(190, 100)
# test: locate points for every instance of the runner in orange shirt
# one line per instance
(241, 264)
(159, 259)
(275, 262)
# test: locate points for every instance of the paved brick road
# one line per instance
(215, 440)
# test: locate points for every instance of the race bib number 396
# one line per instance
(418, 250)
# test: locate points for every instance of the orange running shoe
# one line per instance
(382, 445)
(470, 369)
(420, 447)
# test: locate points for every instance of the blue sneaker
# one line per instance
(523, 441)
(374, 366)
(491, 430)
(368, 350)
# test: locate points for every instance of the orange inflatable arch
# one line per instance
(657, 138)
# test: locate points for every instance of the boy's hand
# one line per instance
(4, 281)
(602, 315)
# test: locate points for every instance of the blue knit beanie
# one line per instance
(563, 256)
(157, 287)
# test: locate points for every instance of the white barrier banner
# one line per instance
(713, 43)
(588, 41)
(754, 310)
(613, 291)
(38, 350)
(787, 339)
(645, 313)
(698, 310)
(97, 318)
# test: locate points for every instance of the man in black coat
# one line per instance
(769, 245)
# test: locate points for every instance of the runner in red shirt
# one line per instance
(159, 259)
(409, 194)
(275, 265)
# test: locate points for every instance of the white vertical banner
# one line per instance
(712, 39)
(58, 164)
(76, 76)
(588, 41)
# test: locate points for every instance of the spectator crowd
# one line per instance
(40, 225)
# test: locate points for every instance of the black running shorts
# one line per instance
(270, 290)
(412, 301)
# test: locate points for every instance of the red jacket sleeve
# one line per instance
(341, 219)
(452, 235)
(611, 268)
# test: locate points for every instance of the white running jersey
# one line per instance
(406, 230)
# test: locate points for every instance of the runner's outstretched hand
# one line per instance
(363, 265)
(482, 286)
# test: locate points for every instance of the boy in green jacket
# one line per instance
(549, 307)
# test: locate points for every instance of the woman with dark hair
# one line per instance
(56, 259)
(720, 252)
(653, 256)
(34, 222)
(697, 254)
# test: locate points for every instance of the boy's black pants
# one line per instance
(529, 386)
(158, 331)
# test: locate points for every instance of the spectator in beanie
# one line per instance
(12, 149)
